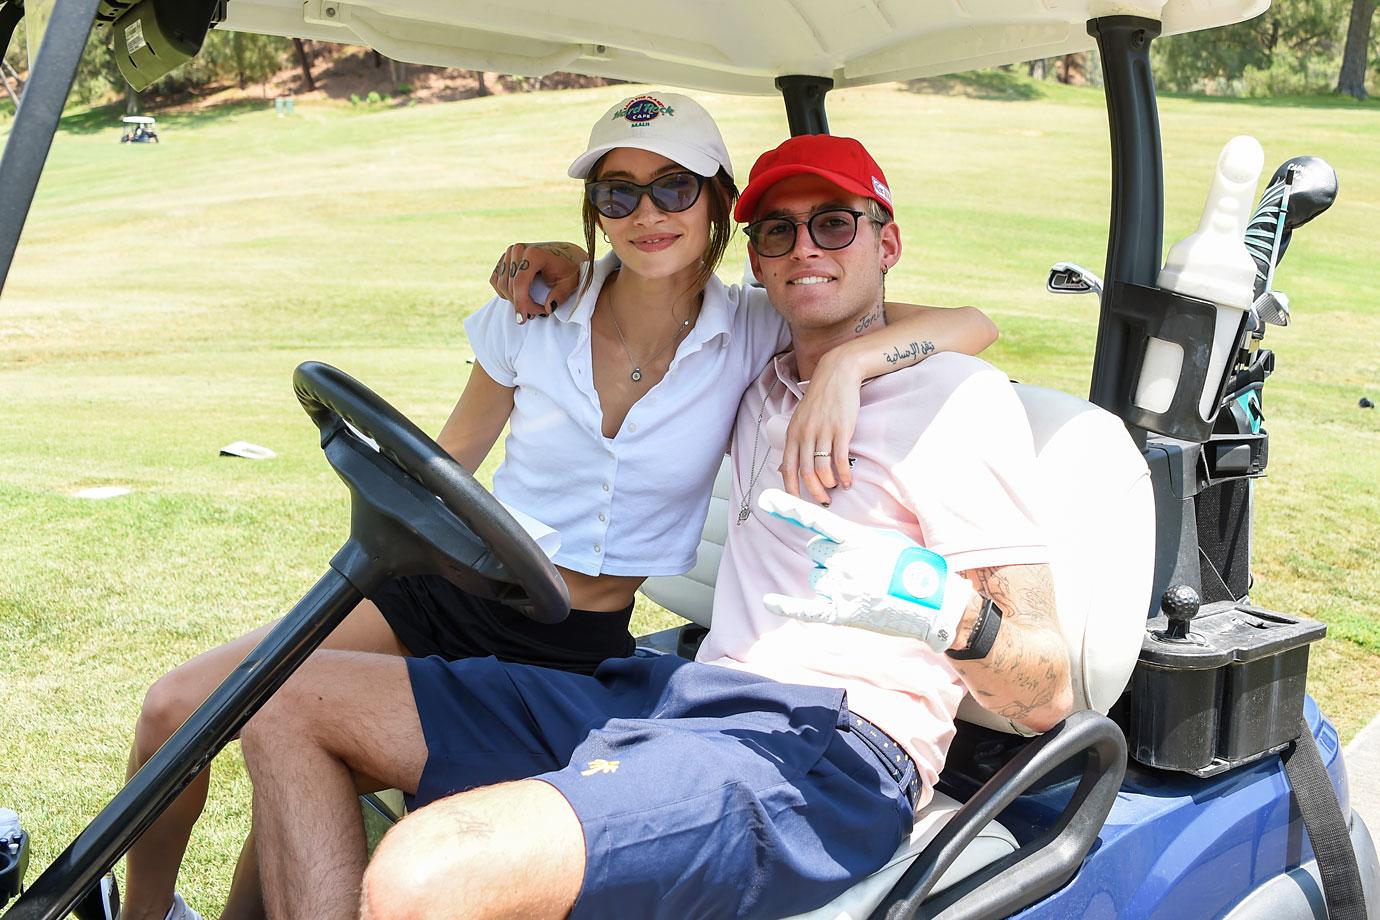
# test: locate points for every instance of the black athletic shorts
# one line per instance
(430, 616)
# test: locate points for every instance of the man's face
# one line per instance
(817, 288)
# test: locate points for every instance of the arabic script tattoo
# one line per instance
(911, 354)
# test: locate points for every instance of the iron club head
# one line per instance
(1071, 278)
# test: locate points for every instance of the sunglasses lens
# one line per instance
(675, 192)
(772, 238)
(833, 229)
(612, 199)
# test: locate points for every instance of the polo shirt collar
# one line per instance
(784, 366)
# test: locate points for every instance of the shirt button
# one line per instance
(598, 548)
(633, 426)
(606, 487)
(602, 516)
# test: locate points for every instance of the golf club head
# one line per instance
(1273, 308)
(1071, 278)
(1312, 191)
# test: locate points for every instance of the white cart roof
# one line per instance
(736, 46)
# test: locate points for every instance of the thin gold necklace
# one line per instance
(636, 374)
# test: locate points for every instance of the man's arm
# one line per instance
(1025, 677)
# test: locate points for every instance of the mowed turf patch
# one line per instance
(162, 296)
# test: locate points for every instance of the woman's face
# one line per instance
(649, 241)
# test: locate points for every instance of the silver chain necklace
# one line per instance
(636, 374)
(745, 511)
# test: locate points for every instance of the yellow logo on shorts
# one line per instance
(600, 766)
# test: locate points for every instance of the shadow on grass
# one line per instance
(105, 118)
(1317, 101)
(980, 84)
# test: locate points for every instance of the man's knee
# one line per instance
(417, 863)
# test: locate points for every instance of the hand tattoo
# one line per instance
(522, 266)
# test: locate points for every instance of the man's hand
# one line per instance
(557, 263)
(872, 579)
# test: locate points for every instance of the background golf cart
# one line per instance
(1067, 31)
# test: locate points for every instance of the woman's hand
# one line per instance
(823, 423)
(557, 263)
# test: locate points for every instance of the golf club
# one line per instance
(1071, 278)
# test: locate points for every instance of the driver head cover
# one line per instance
(675, 126)
(842, 160)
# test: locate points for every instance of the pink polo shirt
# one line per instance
(942, 453)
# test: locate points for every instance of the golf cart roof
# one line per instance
(720, 45)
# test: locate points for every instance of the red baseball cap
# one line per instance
(842, 160)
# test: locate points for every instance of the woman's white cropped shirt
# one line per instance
(633, 504)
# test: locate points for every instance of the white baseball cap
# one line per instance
(675, 126)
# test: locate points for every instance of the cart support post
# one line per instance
(1136, 233)
(804, 96)
(37, 119)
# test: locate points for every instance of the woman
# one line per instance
(620, 405)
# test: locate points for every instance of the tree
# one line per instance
(1356, 52)
(304, 58)
(1291, 47)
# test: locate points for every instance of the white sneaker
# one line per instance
(180, 910)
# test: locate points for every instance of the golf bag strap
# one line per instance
(1322, 816)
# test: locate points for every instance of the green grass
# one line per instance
(163, 294)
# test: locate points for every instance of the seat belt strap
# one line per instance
(1322, 817)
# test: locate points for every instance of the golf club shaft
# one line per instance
(189, 751)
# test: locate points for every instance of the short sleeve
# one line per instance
(971, 479)
(496, 339)
(764, 331)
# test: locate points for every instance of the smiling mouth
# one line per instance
(660, 241)
(812, 279)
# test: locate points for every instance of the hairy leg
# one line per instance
(152, 863)
(345, 721)
(514, 850)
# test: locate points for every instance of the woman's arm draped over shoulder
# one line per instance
(893, 337)
(477, 419)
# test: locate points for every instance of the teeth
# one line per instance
(813, 279)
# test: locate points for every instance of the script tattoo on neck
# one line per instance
(873, 317)
(911, 354)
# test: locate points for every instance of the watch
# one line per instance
(984, 634)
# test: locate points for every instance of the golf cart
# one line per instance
(1198, 780)
(140, 130)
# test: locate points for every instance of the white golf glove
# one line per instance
(869, 578)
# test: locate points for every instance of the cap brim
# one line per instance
(759, 185)
(697, 161)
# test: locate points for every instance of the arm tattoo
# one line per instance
(1028, 664)
(911, 354)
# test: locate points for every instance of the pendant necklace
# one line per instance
(636, 374)
(745, 511)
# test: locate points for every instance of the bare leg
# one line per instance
(467, 856)
(246, 900)
(152, 863)
(343, 716)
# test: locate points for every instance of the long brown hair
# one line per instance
(722, 194)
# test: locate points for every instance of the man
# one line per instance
(789, 762)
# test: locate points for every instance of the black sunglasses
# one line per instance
(671, 193)
(835, 228)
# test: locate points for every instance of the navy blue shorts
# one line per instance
(702, 791)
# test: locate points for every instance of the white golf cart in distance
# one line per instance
(1182, 787)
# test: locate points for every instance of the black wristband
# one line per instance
(983, 636)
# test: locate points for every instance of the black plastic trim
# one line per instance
(37, 119)
(804, 97)
(1136, 228)
(1038, 867)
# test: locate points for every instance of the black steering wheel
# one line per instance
(425, 512)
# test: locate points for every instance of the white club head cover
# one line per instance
(870, 578)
